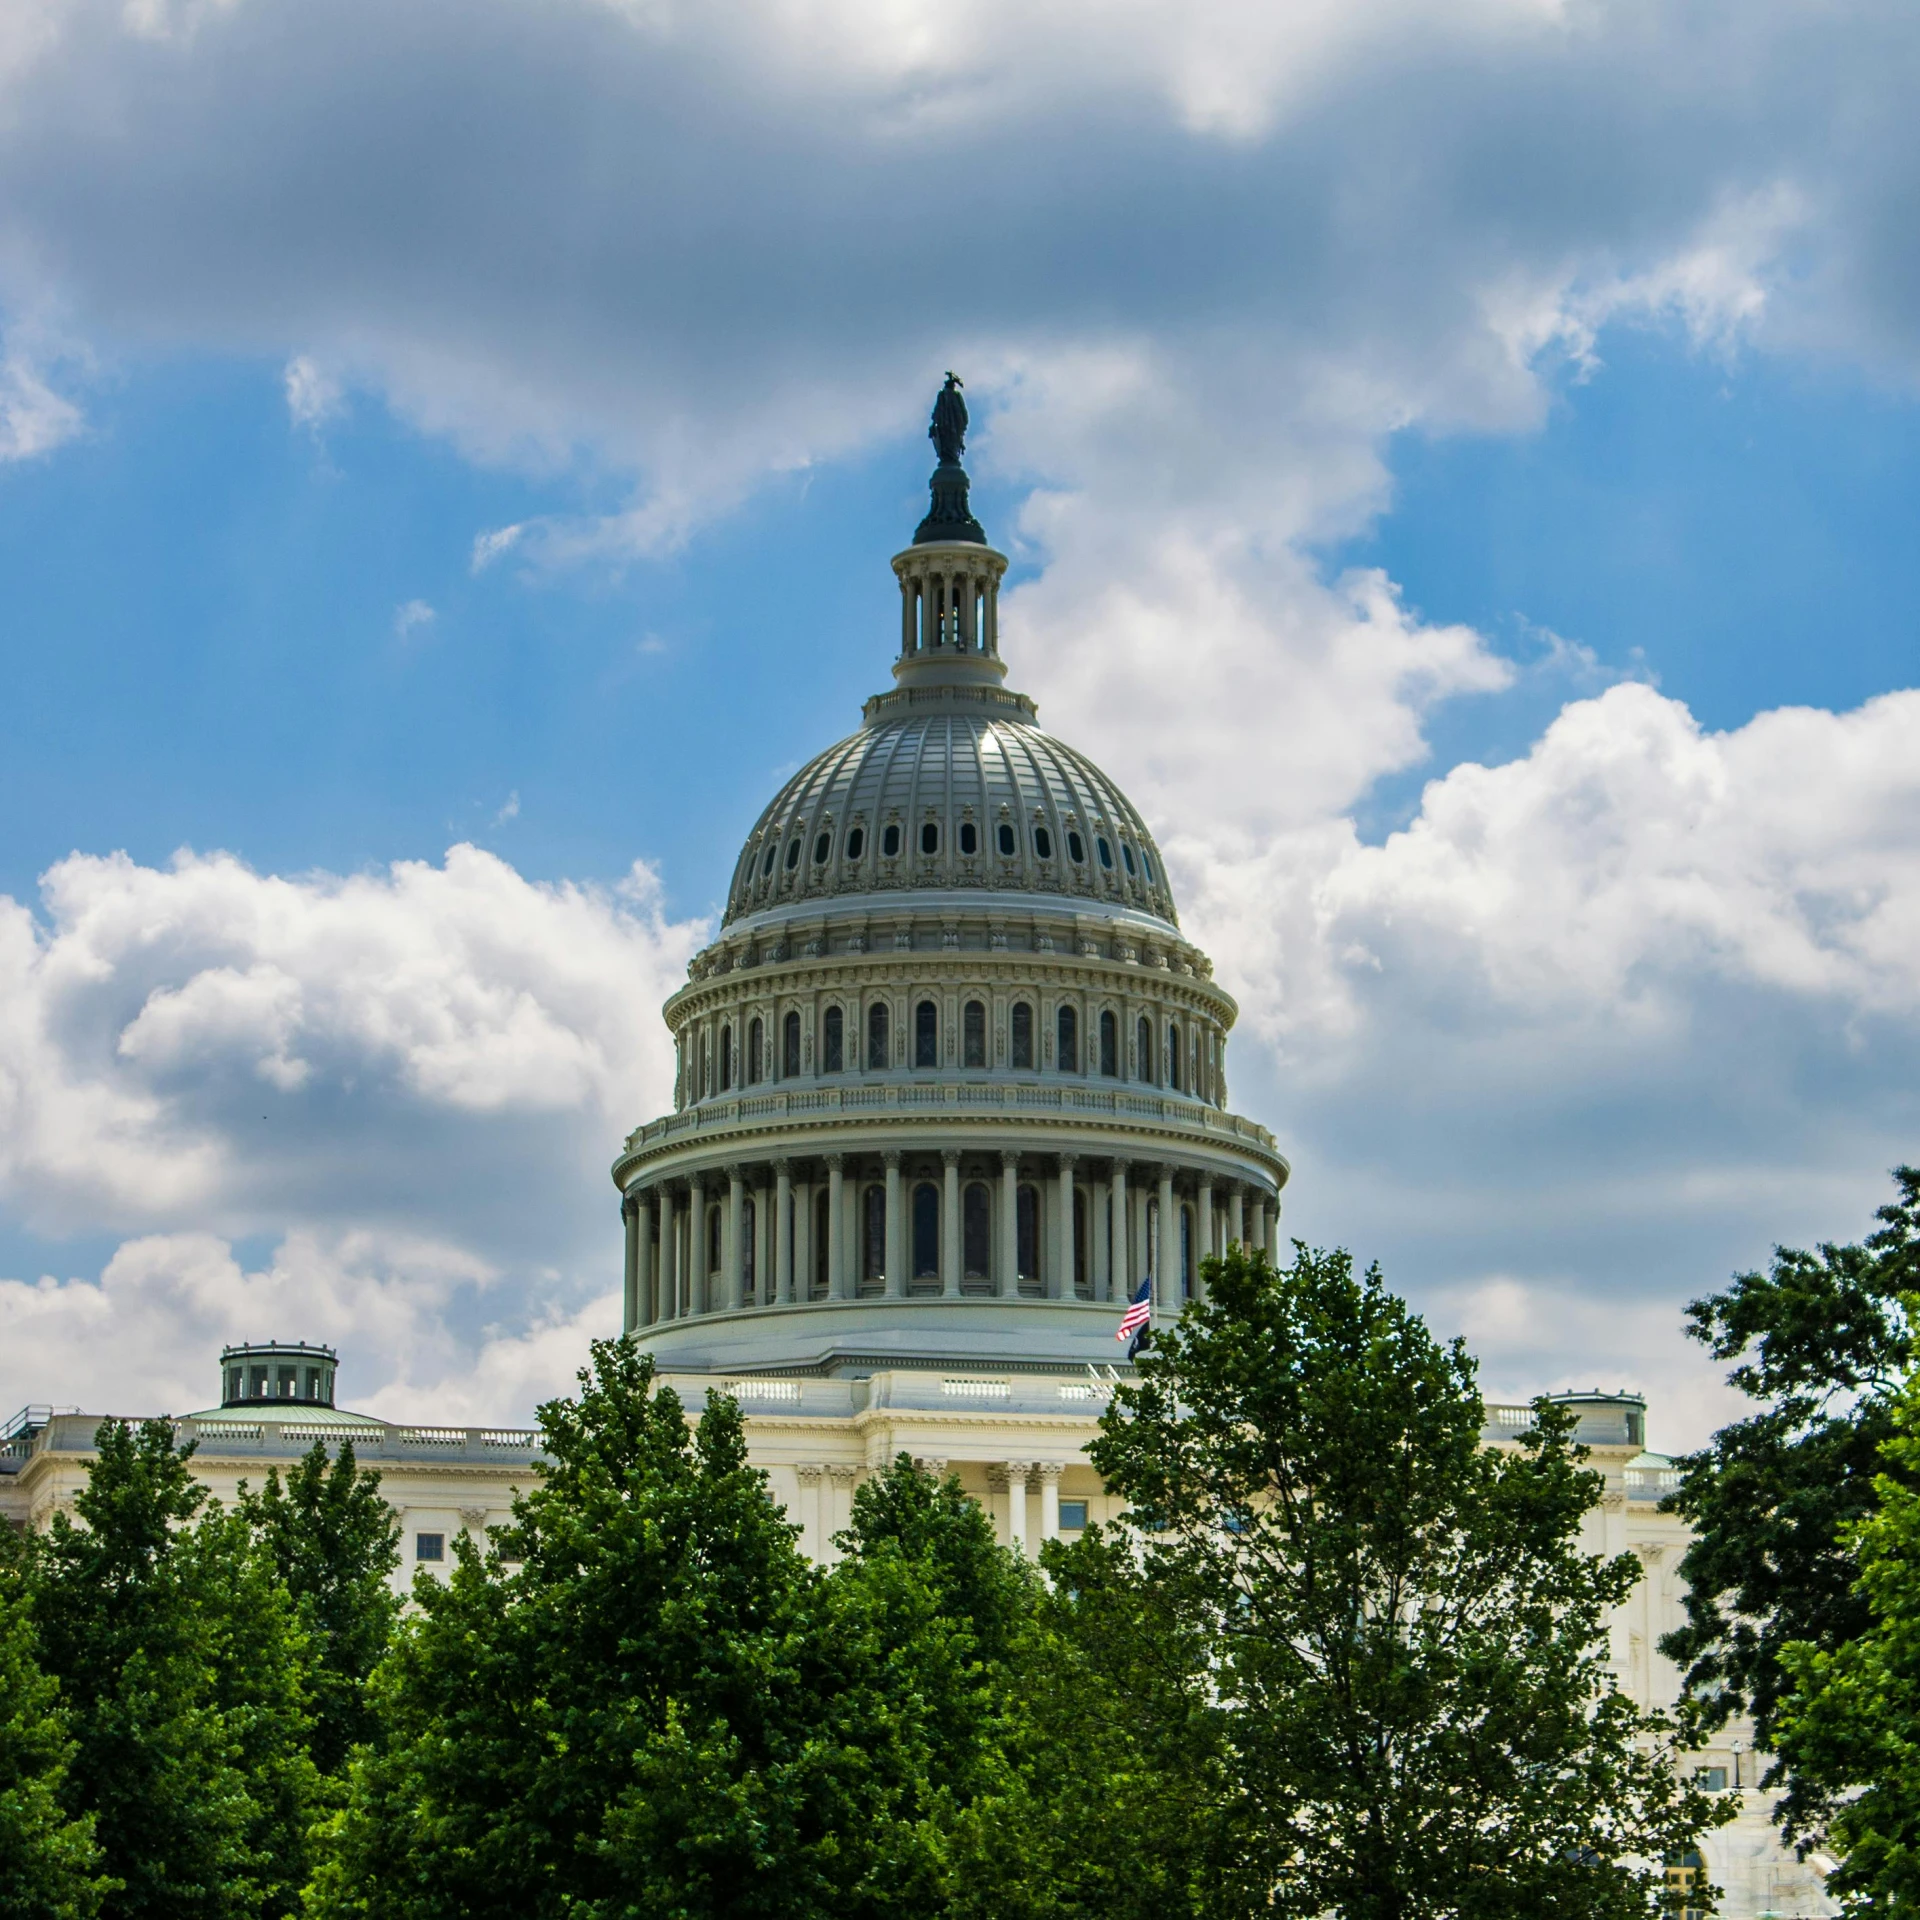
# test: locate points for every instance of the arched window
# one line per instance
(873, 1240)
(834, 1042)
(790, 1047)
(877, 1037)
(1173, 1056)
(726, 1058)
(1109, 1045)
(1022, 1034)
(1082, 1278)
(929, 838)
(1105, 851)
(713, 1239)
(1043, 843)
(749, 1266)
(822, 846)
(890, 842)
(1126, 854)
(976, 1231)
(766, 865)
(1146, 862)
(822, 1243)
(926, 1035)
(974, 1032)
(756, 1041)
(793, 854)
(969, 837)
(1067, 1039)
(1076, 849)
(1143, 1046)
(1006, 840)
(926, 1231)
(704, 1083)
(856, 843)
(1027, 1235)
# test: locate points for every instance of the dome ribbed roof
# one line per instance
(929, 765)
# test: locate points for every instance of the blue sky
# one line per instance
(1438, 454)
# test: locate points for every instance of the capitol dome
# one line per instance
(950, 1079)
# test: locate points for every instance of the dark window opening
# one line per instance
(822, 1244)
(926, 1035)
(1007, 842)
(790, 1047)
(1105, 851)
(1126, 854)
(713, 1238)
(1173, 1057)
(1076, 849)
(890, 842)
(766, 865)
(726, 1058)
(1073, 1516)
(969, 837)
(793, 854)
(877, 1037)
(929, 838)
(1144, 1047)
(1027, 1232)
(749, 1233)
(1109, 1046)
(974, 1027)
(1082, 1244)
(822, 846)
(873, 1250)
(926, 1231)
(756, 1040)
(856, 843)
(1186, 1253)
(835, 1047)
(1067, 1039)
(1146, 865)
(429, 1546)
(976, 1231)
(1043, 843)
(1022, 1034)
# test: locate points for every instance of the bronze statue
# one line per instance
(949, 429)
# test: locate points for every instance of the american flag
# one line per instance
(1133, 1323)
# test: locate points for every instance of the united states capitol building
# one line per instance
(950, 1082)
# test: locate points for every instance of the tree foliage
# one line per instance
(1406, 1642)
(180, 1665)
(333, 1543)
(1849, 1720)
(48, 1859)
(1821, 1341)
(643, 1699)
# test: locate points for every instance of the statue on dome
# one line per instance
(949, 429)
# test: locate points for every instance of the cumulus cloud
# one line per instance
(313, 395)
(409, 1082)
(34, 419)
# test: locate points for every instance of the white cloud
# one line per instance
(313, 394)
(34, 419)
(410, 616)
(411, 1081)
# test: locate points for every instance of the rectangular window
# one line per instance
(1712, 1779)
(429, 1546)
(1073, 1515)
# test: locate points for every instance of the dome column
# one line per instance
(643, 1304)
(1236, 1217)
(1121, 1279)
(1009, 1225)
(950, 1223)
(1169, 1275)
(696, 1247)
(837, 1288)
(783, 1232)
(1062, 1287)
(669, 1288)
(734, 1250)
(896, 1227)
(1203, 1224)
(630, 1286)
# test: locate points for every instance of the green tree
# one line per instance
(1848, 1724)
(634, 1702)
(1822, 1342)
(180, 1664)
(333, 1542)
(1407, 1642)
(48, 1859)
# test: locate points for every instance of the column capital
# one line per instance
(933, 1463)
(1068, 1161)
(809, 1471)
(783, 1169)
(841, 1470)
(1050, 1470)
(890, 1159)
(1009, 1160)
(736, 1174)
(949, 1156)
(836, 1162)
(1167, 1171)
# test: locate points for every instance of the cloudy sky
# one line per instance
(1460, 464)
